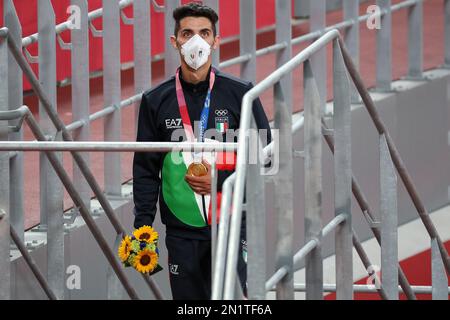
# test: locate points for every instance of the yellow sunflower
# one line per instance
(125, 249)
(146, 233)
(145, 261)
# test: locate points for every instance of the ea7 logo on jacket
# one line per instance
(174, 124)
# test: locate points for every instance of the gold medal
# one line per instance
(197, 169)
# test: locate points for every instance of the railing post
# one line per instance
(284, 35)
(112, 93)
(5, 265)
(300, 8)
(214, 4)
(447, 32)
(112, 122)
(171, 56)
(256, 220)
(389, 222)
(313, 184)
(15, 80)
(351, 11)
(51, 189)
(438, 275)
(213, 198)
(142, 49)
(284, 196)
(343, 176)
(415, 40)
(80, 94)
(248, 39)
(319, 60)
(384, 47)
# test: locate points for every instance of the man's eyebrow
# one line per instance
(190, 30)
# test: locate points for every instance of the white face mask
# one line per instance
(196, 52)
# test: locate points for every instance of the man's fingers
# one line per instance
(195, 179)
(200, 186)
(201, 191)
(202, 180)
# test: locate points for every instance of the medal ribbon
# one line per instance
(184, 112)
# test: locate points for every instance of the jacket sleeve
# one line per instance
(146, 170)
(261, 122)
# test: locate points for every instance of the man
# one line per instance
(199, 96)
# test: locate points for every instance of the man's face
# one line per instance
(189, 27)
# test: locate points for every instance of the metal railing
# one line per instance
(24, 114)
(384, 79)
(344, 183)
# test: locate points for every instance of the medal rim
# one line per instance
(196, 164)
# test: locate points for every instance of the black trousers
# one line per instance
(190, 268)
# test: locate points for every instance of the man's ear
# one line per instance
(216, 42)
(173, 41)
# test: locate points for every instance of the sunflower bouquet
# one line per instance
(140, 251)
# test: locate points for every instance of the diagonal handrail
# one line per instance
(32, 264)
(84, 168)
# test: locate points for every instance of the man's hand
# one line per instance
(201, 185)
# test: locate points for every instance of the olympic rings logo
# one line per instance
(221, 113)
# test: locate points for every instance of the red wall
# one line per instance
(27, 12)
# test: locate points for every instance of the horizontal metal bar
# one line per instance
(13, 154)
(272, 282)
(367, 288)
(93, 15)
(84, 211)
(303, 252)
(88, 146)
(316, 34)
(271, 49)
(104, 112)
(307, 248)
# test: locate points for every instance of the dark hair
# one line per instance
(195, 9)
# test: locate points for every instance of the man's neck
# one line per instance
(195, 76)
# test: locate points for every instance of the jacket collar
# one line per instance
(201, 87)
